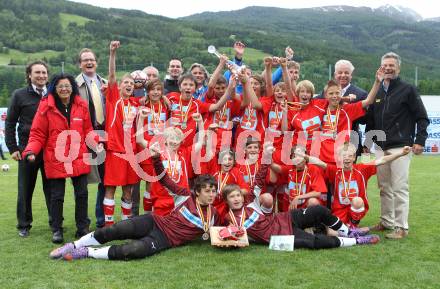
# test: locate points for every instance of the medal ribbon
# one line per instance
(184, 117)
(172, 169)
(221, 182)
(206, 223)
(248, 170)
(296, 190)
(333, 126)
(344, 183)
(242, 219)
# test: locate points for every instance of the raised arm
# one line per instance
(245, 83)
(373, 92)
(112, 62)
(286, 79)
(217, 72)
(268, 75)
(201, 131)
(140, 139)
(389, 158)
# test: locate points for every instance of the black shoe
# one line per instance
(23, 232)
(81, 233)
(57, 237)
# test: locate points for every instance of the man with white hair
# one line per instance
(397, 110)
(151, 72)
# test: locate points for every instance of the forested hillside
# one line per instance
(55, 30)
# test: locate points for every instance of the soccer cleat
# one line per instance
(76, 254)
(59, 252)
(23, 232)
(357, 232)
(367, 240)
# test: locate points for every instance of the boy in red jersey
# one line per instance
(183, 105)
(350, 181)
(337, 120)
(260, 227)
(304, 183)
(150, 233)
(176, 160)
(121, 110)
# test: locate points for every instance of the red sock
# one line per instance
(109, 211)
(126, 210)
(148, 205)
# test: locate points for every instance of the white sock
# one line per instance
(347, 242)
(343, 230)
(99, 253)
(86, 241)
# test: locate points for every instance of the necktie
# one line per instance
(40, 91)
(97, 102)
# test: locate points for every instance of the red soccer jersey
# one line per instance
(341, 120)
(250, 120)
(273, 116)
(349, 184)
(302, 182)
(261, 227)
(155, 122)
(231, 177)
(248, 172)
(181, 115)
(305, 123)
(120, 119)
(223, 118)
(177, 168)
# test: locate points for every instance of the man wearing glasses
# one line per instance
(90, 88)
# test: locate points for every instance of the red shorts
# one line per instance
(118, 171)
(346, 215)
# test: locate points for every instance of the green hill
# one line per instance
(55, 30)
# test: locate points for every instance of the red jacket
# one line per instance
(47, 125)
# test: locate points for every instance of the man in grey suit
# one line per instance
(90, 88)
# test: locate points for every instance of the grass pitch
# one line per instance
(410, 263)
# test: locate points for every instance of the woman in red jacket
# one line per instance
(59, 128)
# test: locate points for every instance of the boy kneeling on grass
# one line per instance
(349, 181)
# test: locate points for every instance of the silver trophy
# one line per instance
(237, 68)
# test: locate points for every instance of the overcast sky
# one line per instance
(179, 8)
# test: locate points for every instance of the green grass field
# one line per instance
(410, 263)
(23, 57)
(72, 18)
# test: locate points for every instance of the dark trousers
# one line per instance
(58, 190)
(147, 238)
(27, 177)
(314, 216)
(135, 199)
(1, 152)
(100, 194)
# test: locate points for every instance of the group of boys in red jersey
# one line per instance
(183, 143)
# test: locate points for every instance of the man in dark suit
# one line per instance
(22, 109)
